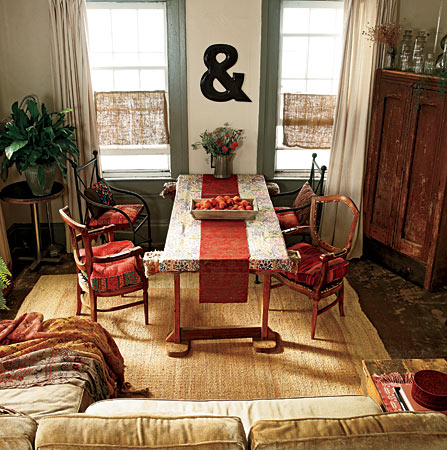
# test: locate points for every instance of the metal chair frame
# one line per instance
(94, 178)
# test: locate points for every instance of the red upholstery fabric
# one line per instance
(304, 197)
(114, 217)
(286, 219)
(310, 266)
(114, 275)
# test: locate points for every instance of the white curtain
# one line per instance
(349, 145)
(72, 86)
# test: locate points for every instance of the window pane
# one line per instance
(320, 87)
(321, 57)
(134, 162)
(151, 30)
(294, 57)
(103, 59)
(125, 30)
(127, 80)
(323, 20)
(300, 159)
(293, 86)
(99, 30)
(153, 59)
(102, 80)
(295, 20)
(152, 80)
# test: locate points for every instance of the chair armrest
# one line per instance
(103, 230)
(329, 256)
(134, 194)
(301, 229)
(136, 251)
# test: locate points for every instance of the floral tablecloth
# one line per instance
(265, 241)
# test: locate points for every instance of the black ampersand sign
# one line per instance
(218, 70)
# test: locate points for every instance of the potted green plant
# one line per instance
(4, 282)
(36, 142)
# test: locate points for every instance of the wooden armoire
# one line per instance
(405, 201)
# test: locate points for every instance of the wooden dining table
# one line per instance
(267, 253)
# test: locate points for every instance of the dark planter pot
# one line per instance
(33, 182)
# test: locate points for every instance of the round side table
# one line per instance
(19, 193)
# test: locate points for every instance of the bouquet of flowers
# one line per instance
(386, 33)
(222, 141)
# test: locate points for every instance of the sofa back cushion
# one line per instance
(17, 432)
(82, 432)
(399, 431)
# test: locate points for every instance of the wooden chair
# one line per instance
(107, 270)
(101, 209)
(322, 267)
(294, 220)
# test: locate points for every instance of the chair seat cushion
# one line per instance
(113, 275)
(116, 218)
(309, 268)
(286, 219)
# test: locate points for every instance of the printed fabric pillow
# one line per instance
(100, 193)
(303, 198)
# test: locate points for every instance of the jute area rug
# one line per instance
(228, 369)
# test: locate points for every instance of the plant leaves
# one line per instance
(16, 145)
(33, 109)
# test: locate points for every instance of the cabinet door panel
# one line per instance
(418, 195)
(384, 171)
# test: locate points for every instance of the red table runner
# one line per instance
(223, 273)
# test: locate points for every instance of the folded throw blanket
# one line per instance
(74, 350)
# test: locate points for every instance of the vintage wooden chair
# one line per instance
(101, 209)
(294, 220)
(322, 267)
(107, 270)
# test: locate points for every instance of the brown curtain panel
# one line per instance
(308, 120)
(131, 118)
(72, 87)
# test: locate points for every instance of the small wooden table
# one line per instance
(20, 194)
(386, 366)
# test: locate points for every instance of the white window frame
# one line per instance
(136, 151)
(323, 154)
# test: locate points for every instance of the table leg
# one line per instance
(268, 339)
(175, 346)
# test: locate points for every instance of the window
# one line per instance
(299, 115)
(129, 63)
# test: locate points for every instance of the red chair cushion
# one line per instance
(116, 218)
(286, 219)
(113, 275)
(310, 266)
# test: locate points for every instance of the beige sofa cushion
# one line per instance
(17, 432)
(84, 432)
(248, 410)
(39, 401)
(397, 431)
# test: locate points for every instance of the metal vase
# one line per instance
(33, 182)
(223, 165)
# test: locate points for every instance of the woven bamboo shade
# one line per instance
(308, 120)
(132, 118)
